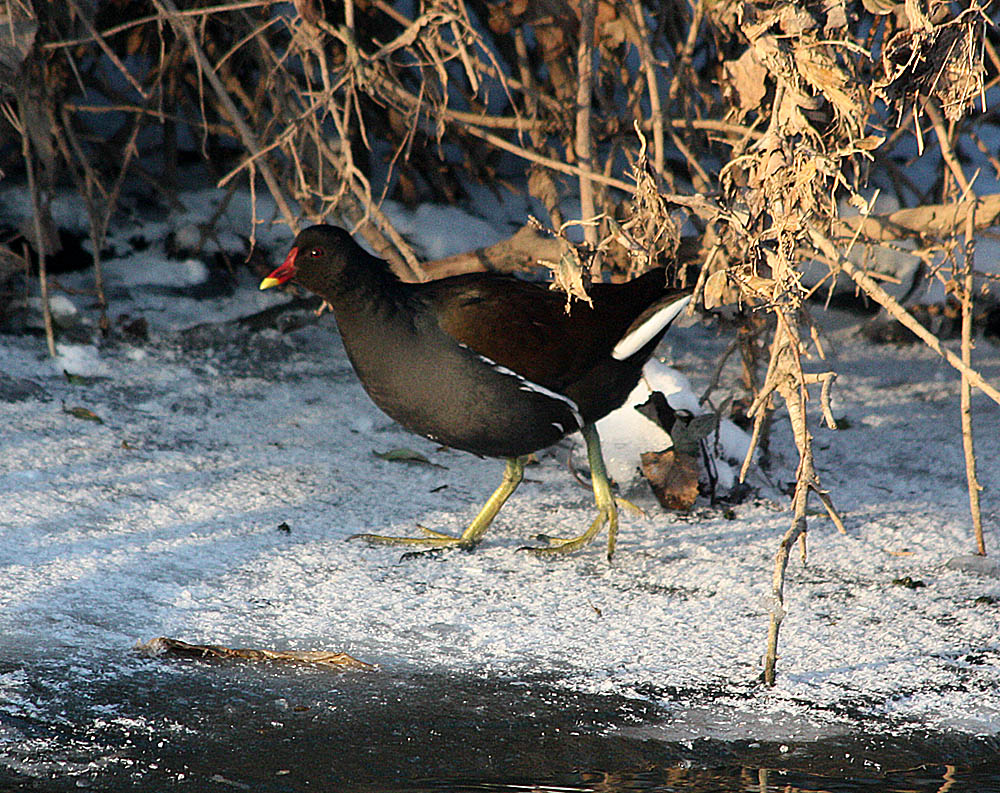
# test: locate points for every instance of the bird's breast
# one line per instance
(446, 391)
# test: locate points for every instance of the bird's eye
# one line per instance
(315, 253)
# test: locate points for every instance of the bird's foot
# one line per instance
(469, 539)
(556, 545)
(432, 540)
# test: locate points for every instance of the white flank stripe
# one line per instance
(528, 385)
(633, 342)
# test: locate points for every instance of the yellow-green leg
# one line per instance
(512, 476)
(607, 509)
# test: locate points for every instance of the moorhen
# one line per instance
(487, 363)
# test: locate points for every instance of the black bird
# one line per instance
(487, 363)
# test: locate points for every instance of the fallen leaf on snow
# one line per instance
(673, 476)
(404, 455)
(83, 413)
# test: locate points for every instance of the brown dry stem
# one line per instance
(40, 247)
(968, 447)
(206, 70)
(787, 379)
(871, 288)
(583, 140)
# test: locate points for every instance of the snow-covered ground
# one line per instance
(163, 519)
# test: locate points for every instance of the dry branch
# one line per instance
(582, 140)
(968, 447)
(787, 379)
(206, 69)
(41, 247)
(898, 312)
(925, 221)
(162, 645)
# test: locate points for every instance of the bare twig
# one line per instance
(789, 381)
(101, 202)
(109, 53)
(183, 26)
(947, 149)
(890, 304)
(698, 204)
(642, 39)
(777, 604)
(40, 246)
(966, 397)
(582, 141)
(134, 23)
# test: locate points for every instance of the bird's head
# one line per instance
(317, 257)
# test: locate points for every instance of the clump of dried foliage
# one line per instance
(752, 124)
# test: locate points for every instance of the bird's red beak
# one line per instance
(283, 274)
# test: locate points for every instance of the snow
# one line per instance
(626, 433)
(162, 519)
(63, 310)
(434, 229)
(80, 359)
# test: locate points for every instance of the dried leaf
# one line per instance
(869, 143)
(686, 430)
(689, 431)
(83, 413)
(505, 16)
(649, 232)
(673, 476)
(568, 277)
(836, 15)
(806, 173)
(747, 77)
(795, 20)
(943, 60)
(543, 187)
(162, 645)
(404, 455)
(77, 379)
(658, 410)
(880, 7)
(822, 73)
(791, 121)
(775, 165)
(717, 292)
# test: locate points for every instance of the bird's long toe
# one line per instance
(558, 545)
(431, 539)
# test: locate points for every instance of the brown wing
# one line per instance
(525, 327)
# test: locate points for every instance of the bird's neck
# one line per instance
(366, 285)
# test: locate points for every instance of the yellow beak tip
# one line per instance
(267, 283)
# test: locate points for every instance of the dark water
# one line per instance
(164, 725)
